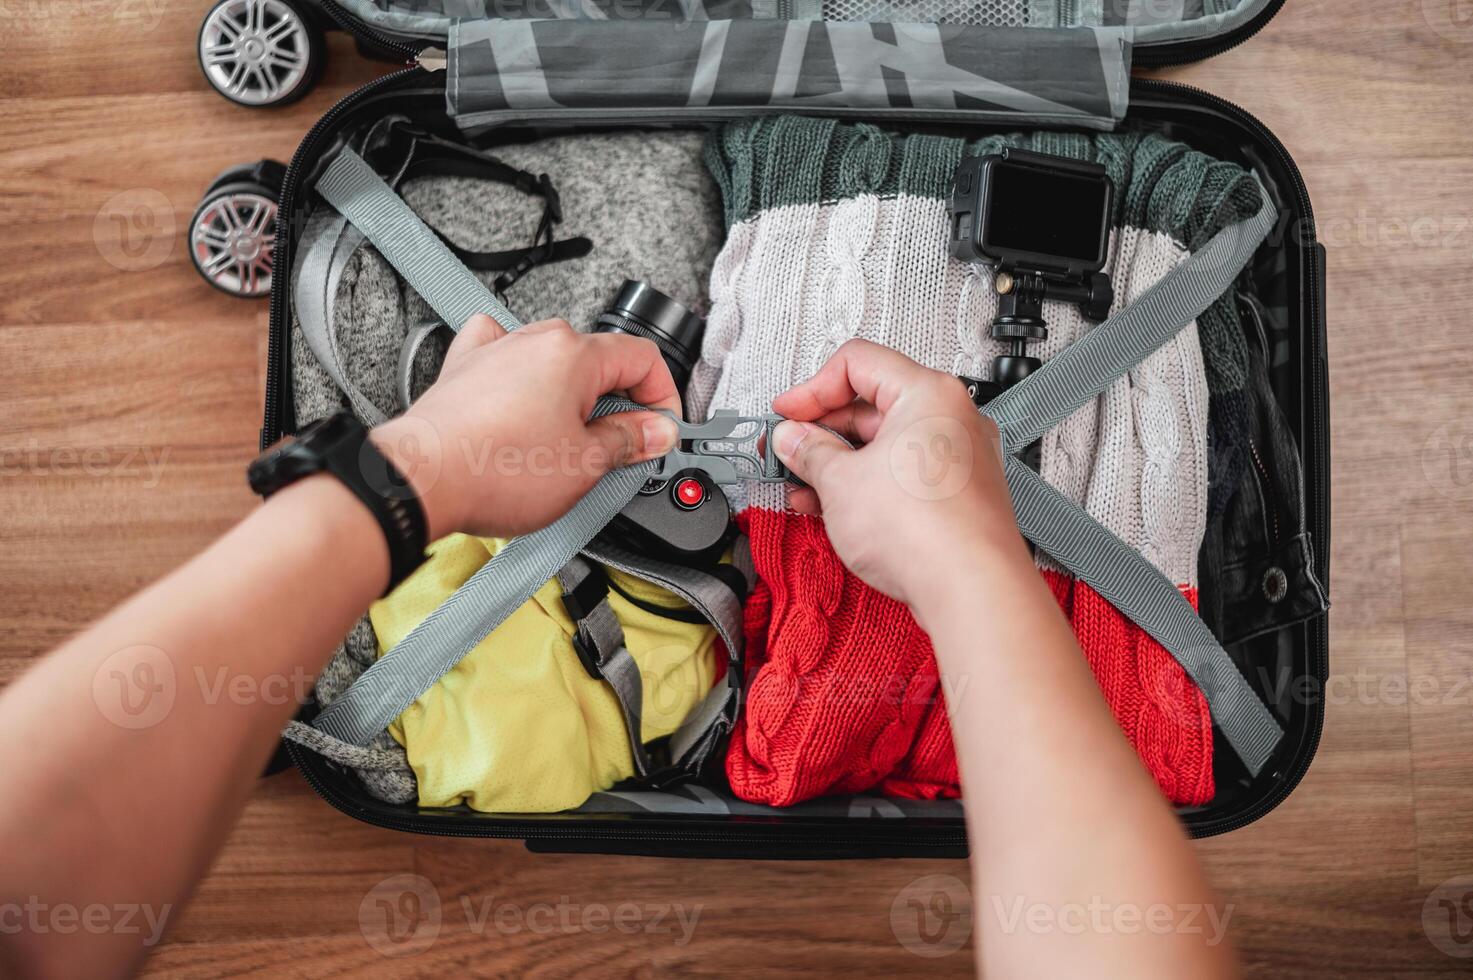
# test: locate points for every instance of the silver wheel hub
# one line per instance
(255, 51)
(232, 241)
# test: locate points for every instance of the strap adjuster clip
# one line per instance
(581, 598)
(580, 601)
(729, 448)
(587, 656)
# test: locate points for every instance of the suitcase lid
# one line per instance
(1046, 62)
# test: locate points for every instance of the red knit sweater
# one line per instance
(844, 696)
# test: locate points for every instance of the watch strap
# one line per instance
(340, 445)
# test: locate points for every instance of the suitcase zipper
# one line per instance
(351, 25)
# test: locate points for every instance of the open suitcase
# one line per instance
(1056, 64)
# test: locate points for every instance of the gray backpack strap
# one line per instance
(600, 642)
(327, 244)
(472, 611)
(350, 185)
(1081, 544)
(1130, 583)
(711, 720)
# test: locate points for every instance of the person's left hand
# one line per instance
(501, 444)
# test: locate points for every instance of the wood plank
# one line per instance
(1437, 548)
(87, 49)
(132, 398)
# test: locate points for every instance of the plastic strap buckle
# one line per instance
(729, 448)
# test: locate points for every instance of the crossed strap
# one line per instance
(1079, 543)
(1061, 529)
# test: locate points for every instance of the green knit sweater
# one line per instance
(1161, 186)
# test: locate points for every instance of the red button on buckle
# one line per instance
(689, 493)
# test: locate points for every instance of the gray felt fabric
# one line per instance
(382, 764)
(645, 199)
(649, 205)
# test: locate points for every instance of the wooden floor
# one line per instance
(130, 396)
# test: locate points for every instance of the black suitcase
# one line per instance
(1287, 666)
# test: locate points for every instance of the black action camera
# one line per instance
(687, 517)
(1043, 224)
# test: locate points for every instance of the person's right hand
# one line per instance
(501, 443)
(924, 491)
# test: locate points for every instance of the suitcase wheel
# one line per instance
(260, 52)
(233, 232)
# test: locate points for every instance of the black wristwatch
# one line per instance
(340, 445)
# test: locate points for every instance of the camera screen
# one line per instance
(1034, 210)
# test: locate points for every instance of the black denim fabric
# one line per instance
(1256, 567)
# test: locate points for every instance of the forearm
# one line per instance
(1061, 814)
(134, 745)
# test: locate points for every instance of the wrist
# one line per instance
(327, 522)
(412, 445)
(961, 576)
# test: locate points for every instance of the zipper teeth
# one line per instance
(1318, 639)
(349, 23)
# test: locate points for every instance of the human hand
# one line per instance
(501, 444)
(923, 494)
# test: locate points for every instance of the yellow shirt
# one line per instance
(518, 726)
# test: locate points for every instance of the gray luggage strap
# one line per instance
(1070, 536)
(327, 243)
(600, 642)
(706, 724)
(1074, 539)
(362, 197)
(515, 573)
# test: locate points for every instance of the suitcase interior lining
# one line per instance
(1268, 660)
(1159, 22)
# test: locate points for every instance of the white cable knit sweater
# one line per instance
(794, 284)
(841, 231)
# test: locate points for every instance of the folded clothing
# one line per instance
(643, 198)
(840, 231)
(607, 183)
(1257, 563)
(519, 726)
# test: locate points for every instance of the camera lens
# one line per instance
(643, 311)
